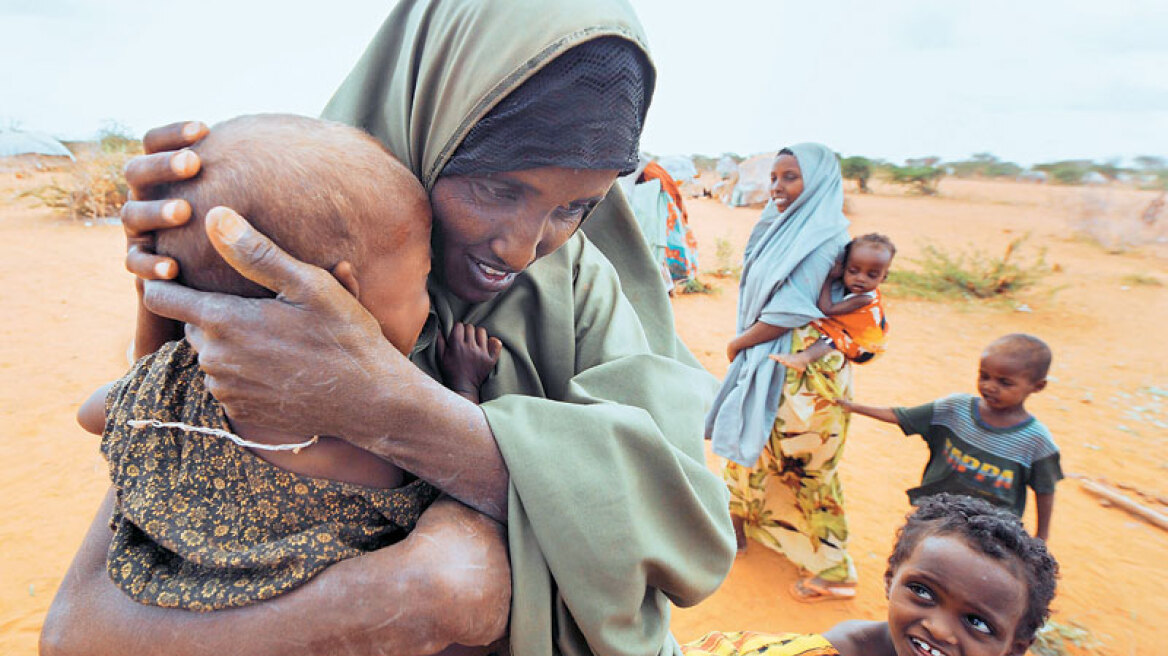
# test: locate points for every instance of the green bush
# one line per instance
(857, 168)
(921, 179)
(972, 275)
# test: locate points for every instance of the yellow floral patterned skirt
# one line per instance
(792, 500)
(749, 643)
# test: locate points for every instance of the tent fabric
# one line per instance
(754, 179)
(18, 142)
(680, 168)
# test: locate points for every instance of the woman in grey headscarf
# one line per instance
(778, 428)
(517, 116)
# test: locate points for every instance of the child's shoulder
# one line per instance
(861, 638)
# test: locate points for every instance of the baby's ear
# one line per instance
(346, 274)
(1040, 385)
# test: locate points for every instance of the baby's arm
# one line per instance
(1045, 504)
(875, 412)
(468, 355)
(91, 414)
(847, 305)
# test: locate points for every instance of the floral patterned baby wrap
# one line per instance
(859, 335)
(203, 524)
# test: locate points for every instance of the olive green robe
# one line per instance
(596, 405)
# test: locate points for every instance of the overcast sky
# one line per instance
(1030, 81)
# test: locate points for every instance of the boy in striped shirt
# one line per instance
(987, 446)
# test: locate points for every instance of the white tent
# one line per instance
(726, 167)
(679, 167)
(754, 181)
(17, 142)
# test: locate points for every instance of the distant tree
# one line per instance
(1151, 163)
(925, 162)
(1069, 172)
(857, 168)
(922, 179)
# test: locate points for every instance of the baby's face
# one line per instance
(949, 599)
(866, 268)
(392, 286)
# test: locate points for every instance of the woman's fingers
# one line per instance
(143, 263)
(181, 303)
(259, 259)
(174, 136)
(143, 216)
(146, 171)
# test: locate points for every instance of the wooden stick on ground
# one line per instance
(1123, 501)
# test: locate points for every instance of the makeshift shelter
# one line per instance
(19, 149)
(679, 167)
(752, 186)
(726, 167)
(660, 211)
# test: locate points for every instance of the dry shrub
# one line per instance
(696, 286)
(970, 275)
(726, 260)
(95, 186)
(1057, 639)
(1119, 222)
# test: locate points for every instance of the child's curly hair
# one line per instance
(995, 532)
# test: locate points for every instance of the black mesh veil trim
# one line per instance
(583, 110)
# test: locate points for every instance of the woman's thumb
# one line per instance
(253, 255)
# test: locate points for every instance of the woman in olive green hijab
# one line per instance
(517, 115)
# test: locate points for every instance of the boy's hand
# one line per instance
(845, 404)
(467, 356)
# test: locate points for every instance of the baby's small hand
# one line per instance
(837, 270)
(467, 357)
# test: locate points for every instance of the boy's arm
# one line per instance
(91, 414)
(757, 334)
(1045, 504)
(875, 412)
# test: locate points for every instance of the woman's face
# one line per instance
(786, 181)
(489, 228)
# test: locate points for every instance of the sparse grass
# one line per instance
(726, 260)
(969, 275)
(95, 187)
(1140, 280)
(1054, 638)
(696, 286)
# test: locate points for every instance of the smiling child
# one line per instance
(964, 579)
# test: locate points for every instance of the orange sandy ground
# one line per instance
(68, 304)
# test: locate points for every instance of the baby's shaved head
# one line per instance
(323, 191)
(1032, 353)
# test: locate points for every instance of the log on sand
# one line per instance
(1123, 501)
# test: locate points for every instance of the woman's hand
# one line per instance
(448, 582)
(310, 362)
(165, 161)
(313, 361)
(732, 350)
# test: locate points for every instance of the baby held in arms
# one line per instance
(216, 512)
(855, 324)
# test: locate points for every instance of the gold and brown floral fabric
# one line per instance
(203, 524)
